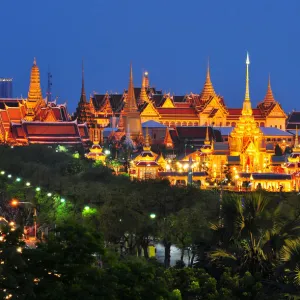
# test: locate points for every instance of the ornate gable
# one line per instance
(168, 103)
(106, 108)
(150, 111)
(212, 104)
(50, 117)
(276, 111)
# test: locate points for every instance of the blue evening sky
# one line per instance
(170, 38)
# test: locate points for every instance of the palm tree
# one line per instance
(254, 237)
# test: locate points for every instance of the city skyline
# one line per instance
(171, 42)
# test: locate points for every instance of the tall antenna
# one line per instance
(49, 87)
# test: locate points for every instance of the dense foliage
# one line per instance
(95, 230)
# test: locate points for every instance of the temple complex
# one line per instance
(34, 121)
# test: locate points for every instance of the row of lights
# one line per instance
(28, 184)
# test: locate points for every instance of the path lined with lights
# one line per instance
(37, 189)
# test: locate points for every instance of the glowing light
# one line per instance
(152, 216)
(12, 223)
(19, 249)
(86, 208)
(14, 202)
(62, 200)
(18, 179)
(38, 189)
(2, 172)
(9, 175)
(1, 238)
(107, 152)
(27, 183)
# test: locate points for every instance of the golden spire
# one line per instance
(146, 78)
(130, 104)
(147, 146)
(296, 138)
(208, 89)
(35, 92)
(83, 95)
(269, 98)
(143, 94)
(207, 141)
(247, 110)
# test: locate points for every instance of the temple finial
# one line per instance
(247, 110)
(83, 95)
(34, 61)
(296, 138)
(208, 89)
(130, 104)
(207, 141)
(143, 94)
(269, 98)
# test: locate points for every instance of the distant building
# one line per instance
(5, 87)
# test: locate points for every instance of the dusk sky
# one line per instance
(170, 39)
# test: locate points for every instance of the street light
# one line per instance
(152, 216)
(16, 202)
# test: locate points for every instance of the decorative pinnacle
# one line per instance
(34, 61)
(247, 110)
(247, 59)
(296, 138)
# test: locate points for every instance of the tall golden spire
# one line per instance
(208, 89)
(35, 92)
(296, 144)
(147, 146)
(269, 98)
(247, 110)
(207, 141)
(143, 94)
(130, 105)
(83, 95)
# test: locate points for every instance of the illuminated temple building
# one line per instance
(198, 132)
(34, 121)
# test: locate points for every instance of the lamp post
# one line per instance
(16, 202)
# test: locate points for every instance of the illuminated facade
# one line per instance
(34, 121)
(206, 108)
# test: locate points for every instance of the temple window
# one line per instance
(172, 124)
(184, 124)
(279, 139)
(280, 126)
(154, 135)
(289, 140)
(221, 124)
(268, 139)
(196, 124)
(275, 126)
(262, 124)
(178, 124)
(227, 123)
(233, 124)
(167, 124)
(190, 124)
